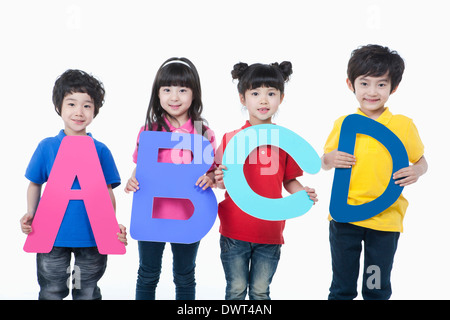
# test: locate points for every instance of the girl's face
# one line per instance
(262, 103)
(176, 101)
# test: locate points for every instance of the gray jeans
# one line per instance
(53, 271)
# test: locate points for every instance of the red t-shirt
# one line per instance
(235, 223)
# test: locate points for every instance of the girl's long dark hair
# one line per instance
(176, 74)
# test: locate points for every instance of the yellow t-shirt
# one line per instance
(372, 171)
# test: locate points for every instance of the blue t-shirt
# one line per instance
(75, 230)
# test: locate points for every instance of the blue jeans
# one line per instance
(53, 270)
(150, 259)
(346, 247)
(248, 265)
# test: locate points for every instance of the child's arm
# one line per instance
(122, 234)
(206, 181)
(411, 174)
(293, 186)
(337, 159)
(132, 183)
(33, 197)
(111, 195)
(218, 176)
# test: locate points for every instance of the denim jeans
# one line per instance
(53, 271)
(150, 259)
(248, 265)
(379, 250)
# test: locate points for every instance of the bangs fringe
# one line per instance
(176, 75)
(265, 77)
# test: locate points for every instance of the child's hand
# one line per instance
(25, 223)
(411, 174)
(338, 159)
(132, 185)
(312, 194)
(407, 176)
(204, 182)
(219, 176)
(122, 235)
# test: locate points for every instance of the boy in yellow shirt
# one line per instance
(374, 73)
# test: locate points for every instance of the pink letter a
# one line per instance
(76, 158)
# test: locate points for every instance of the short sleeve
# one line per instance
(109, 168)
(135, 153)
(220, 150)
(414, 145)
(36, 170)
(292, 170)
(212, 139)
(333, 139)
(41, 163)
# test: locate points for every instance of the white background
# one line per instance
(124, 43)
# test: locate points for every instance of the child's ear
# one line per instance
(350, 86)
(281, 98)
(242, 99)
(394, 90)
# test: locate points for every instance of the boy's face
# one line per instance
(77, 112)
(262, 103)
(372, 93)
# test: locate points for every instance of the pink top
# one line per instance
(169, 208)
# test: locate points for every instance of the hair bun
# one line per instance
(285, 67)
(238, 70)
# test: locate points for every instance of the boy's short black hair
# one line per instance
(375, 60)
(73, 81)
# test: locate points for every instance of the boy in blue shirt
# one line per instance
(77, 97)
